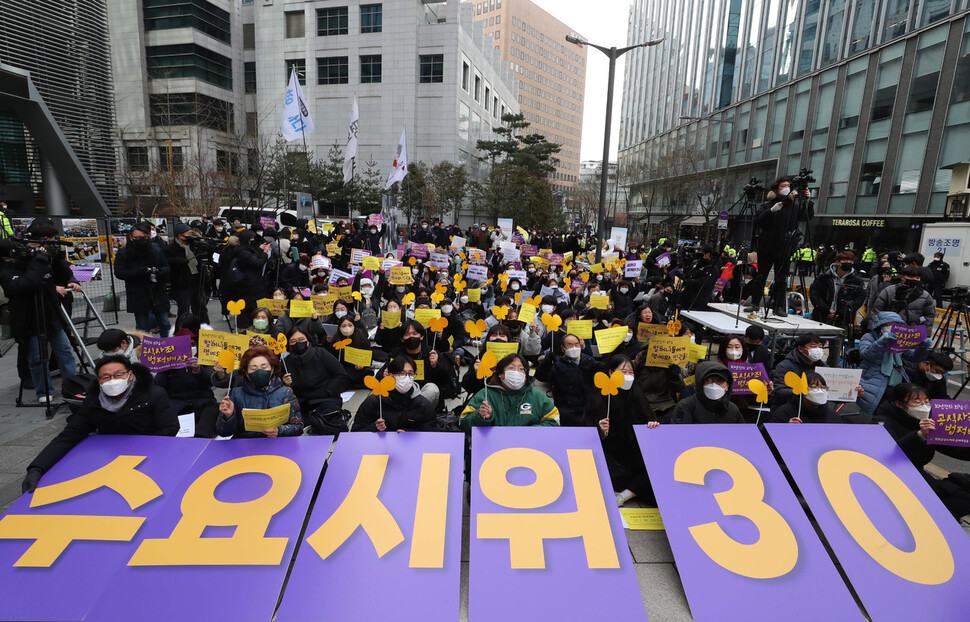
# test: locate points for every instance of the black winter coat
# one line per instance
(250, 260)
(572, 382)
(796, 363)
(180, 276)
(810, 413)
(317, 375)
(144, 296)
(401, 412)
(698, 408)
(30, 289)
(185, 387)
(147, 412)
(905, 431)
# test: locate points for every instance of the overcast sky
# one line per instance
(602, 22)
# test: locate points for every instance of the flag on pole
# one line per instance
(400, 170)
(296, 116)
(350, 155)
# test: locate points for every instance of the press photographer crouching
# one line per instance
(36, 278)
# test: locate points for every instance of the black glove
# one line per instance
(673, 373)
(30, 482)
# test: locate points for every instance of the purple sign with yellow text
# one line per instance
(165, 353)
(904, 554)
(744, 547)
(952, 419)
(742, 373)
(907, 337)
(388, 514)
(546, 539)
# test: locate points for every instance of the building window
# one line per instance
(498, 35)
(488, 98)
(371, 18)
(198, 14)
(249, 36)
(494, 106)
(333, 70)
(478, 89)
(250, 69)
(227, 162)
(433, 68)
(188, 60)
(478, 9)
(299, 64)
(175, 109)
(294, 22)
(178, 161)
(465, 70)
(331, 22)
(370, 69)
(498, 20)
(138, 158)
(251, 124)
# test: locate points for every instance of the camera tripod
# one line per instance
(955, 318)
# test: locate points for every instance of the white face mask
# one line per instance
(347, 331)
(624, 290)
(746, 281)
(514, 379)
(818, 396)
(303, 268)
(885, 329)
(414, 271)
(154, 234)
(714, 391)
(573, 353)
(931, 376)
(367, 291)
(446, 309)
(733, 355)
(916, 412)
(515, 287)
(547, 308)
(784, 192)
(115, 387)
(692, 339)
(628, 337)
(340, 314)
(400, 289)
(815, 354)
(403, 383)
(464, 300)
(627, 382)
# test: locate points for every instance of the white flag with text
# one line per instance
(350, 156)
(296, 116)
(400, 170)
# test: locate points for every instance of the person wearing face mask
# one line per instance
(246, 279)
(317, 379)
(882, 369)
(804, 357)
(439, 381)
(908, 299)
(455, 331)
(262, 322)
(510, 399)
(731, 350)
(117, 341)
(296, 275)
(630, 347)
(190, 389)
(570, 372)
(930, 374)
(258, 386)
(144, 269)
(341, 310)
(372, 239)
(404, 408)
(815, 405)
(369, 304)
(218, 230)
(622, 298)
(348, 329)
(186, 273)
(615, 418)
(126, 402)
(712, 401)
(838, 293)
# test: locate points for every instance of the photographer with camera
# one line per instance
(144, 269)
(913, 303)
(187, 271)
(787, 206)
(837, 295)
(36, 278)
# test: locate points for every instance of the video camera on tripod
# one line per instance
(801, 181)
(22, 248)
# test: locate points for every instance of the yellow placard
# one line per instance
(539, 261)
(276, 307)
(697, 353)
(645, 331)
(502, 349)
(333, 249)
(343, 293)
(372, 263)
(419, 372)
(356, 356)
(527, 313)
(391, 319)
(689, 380)
(545, 251)
(581, 328)
(642, 519)
(609, 339)
(301, 308)
(474, 295)
(666, 351)
(567, 256)
(400, 275)
(424, 315)
(323, 305)
(212, 342)
(258, 420)
(599, 301)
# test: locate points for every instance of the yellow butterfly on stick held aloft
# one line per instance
(437, 297)
(381, 387)
(226, 359)
(552, 322)
(408, 298)
(608, 385)
(235, 307)
(476, 329)
(486, 367)
(535, 301)
(798, 384)
(760, 390)
(438, 324)
(278, 345)
(355, 295)
(460, 284)
(340, 345)
(500, 312)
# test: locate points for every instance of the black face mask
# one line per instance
(846, 267)
(300, 349)
(412, 343)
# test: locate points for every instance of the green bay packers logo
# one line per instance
(525, 408)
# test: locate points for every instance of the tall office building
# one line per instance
(551, 74)
(63, 45)
(873, 95)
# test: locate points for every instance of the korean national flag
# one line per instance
(296, 117)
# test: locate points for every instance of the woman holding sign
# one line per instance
(350, 334)
(883, 360)
(712, 402)
(404, 408)
(509, 399)
(259, 388)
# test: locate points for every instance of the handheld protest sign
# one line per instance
(437, 297)
(227, 359)
(235, 307)
(408, 299)
(460, 284)
(500, 312)
(438, 325)
(760, 390)
(799, 386)
(486, 367)
(608, 386)
(535, 301)
(380, 388)
(278, 345)
(340, 345)
(476, 329)
(552, 324)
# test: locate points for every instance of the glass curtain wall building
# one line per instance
(873, 95)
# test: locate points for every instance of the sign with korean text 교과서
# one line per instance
(165, 353)
(952, 419)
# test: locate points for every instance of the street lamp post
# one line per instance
(612, 53)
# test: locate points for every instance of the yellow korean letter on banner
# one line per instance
(323, 305)
(474, 295)
(276, 307)
(666, 351)
(419, 372)
(599, 301)
(502, 349)
(212, 342)
(343, 293)
(265, 419)
(697, 353)
(400, 275)
(424, 315)
(645, 331)
(356, 356)
(581, 328)
(609, 339)
(372, 263)
(301, 308)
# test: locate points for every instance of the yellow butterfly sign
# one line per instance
(235, 307)
(486, 366)
(608, 385)
(476, 329)
(798, 384)
(760, 390)
(551, 322)
(382, 387)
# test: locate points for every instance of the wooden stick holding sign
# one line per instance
(608, 386)
(380, 388)
(438, 326)
(486, 367)
(799, 386)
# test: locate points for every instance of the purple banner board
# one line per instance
(907, 337)
(165, 353)
(902, 551)
(952, 419)
(720, 284)
(65, 585)
(529, 250)
(743, 372)
(744, 548)
(546, 540)
(388, 514)
(267, 222)
(249, 498)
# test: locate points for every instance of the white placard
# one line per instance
(633, 268)
(842, 382)
(458, 242)
(477, 273)
(186, 426)
(387, 264)
(518, 274)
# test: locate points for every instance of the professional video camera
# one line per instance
(959, 295)
(203, 248)
(754, 186)
(801, 181)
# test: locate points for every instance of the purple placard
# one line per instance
(189, 592)
(907, 337)
(743, 372)
(952, 419)
(418, 250)
(844, 455)
(720, 285)
(165, 353)
(663, 260)
(375, 219)
(688, 466)
(555, 259)
(351, 571)
(529, 250)
(609, 590)
(83, 274)
(68, 588)
(400, 252)
(268, 222)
